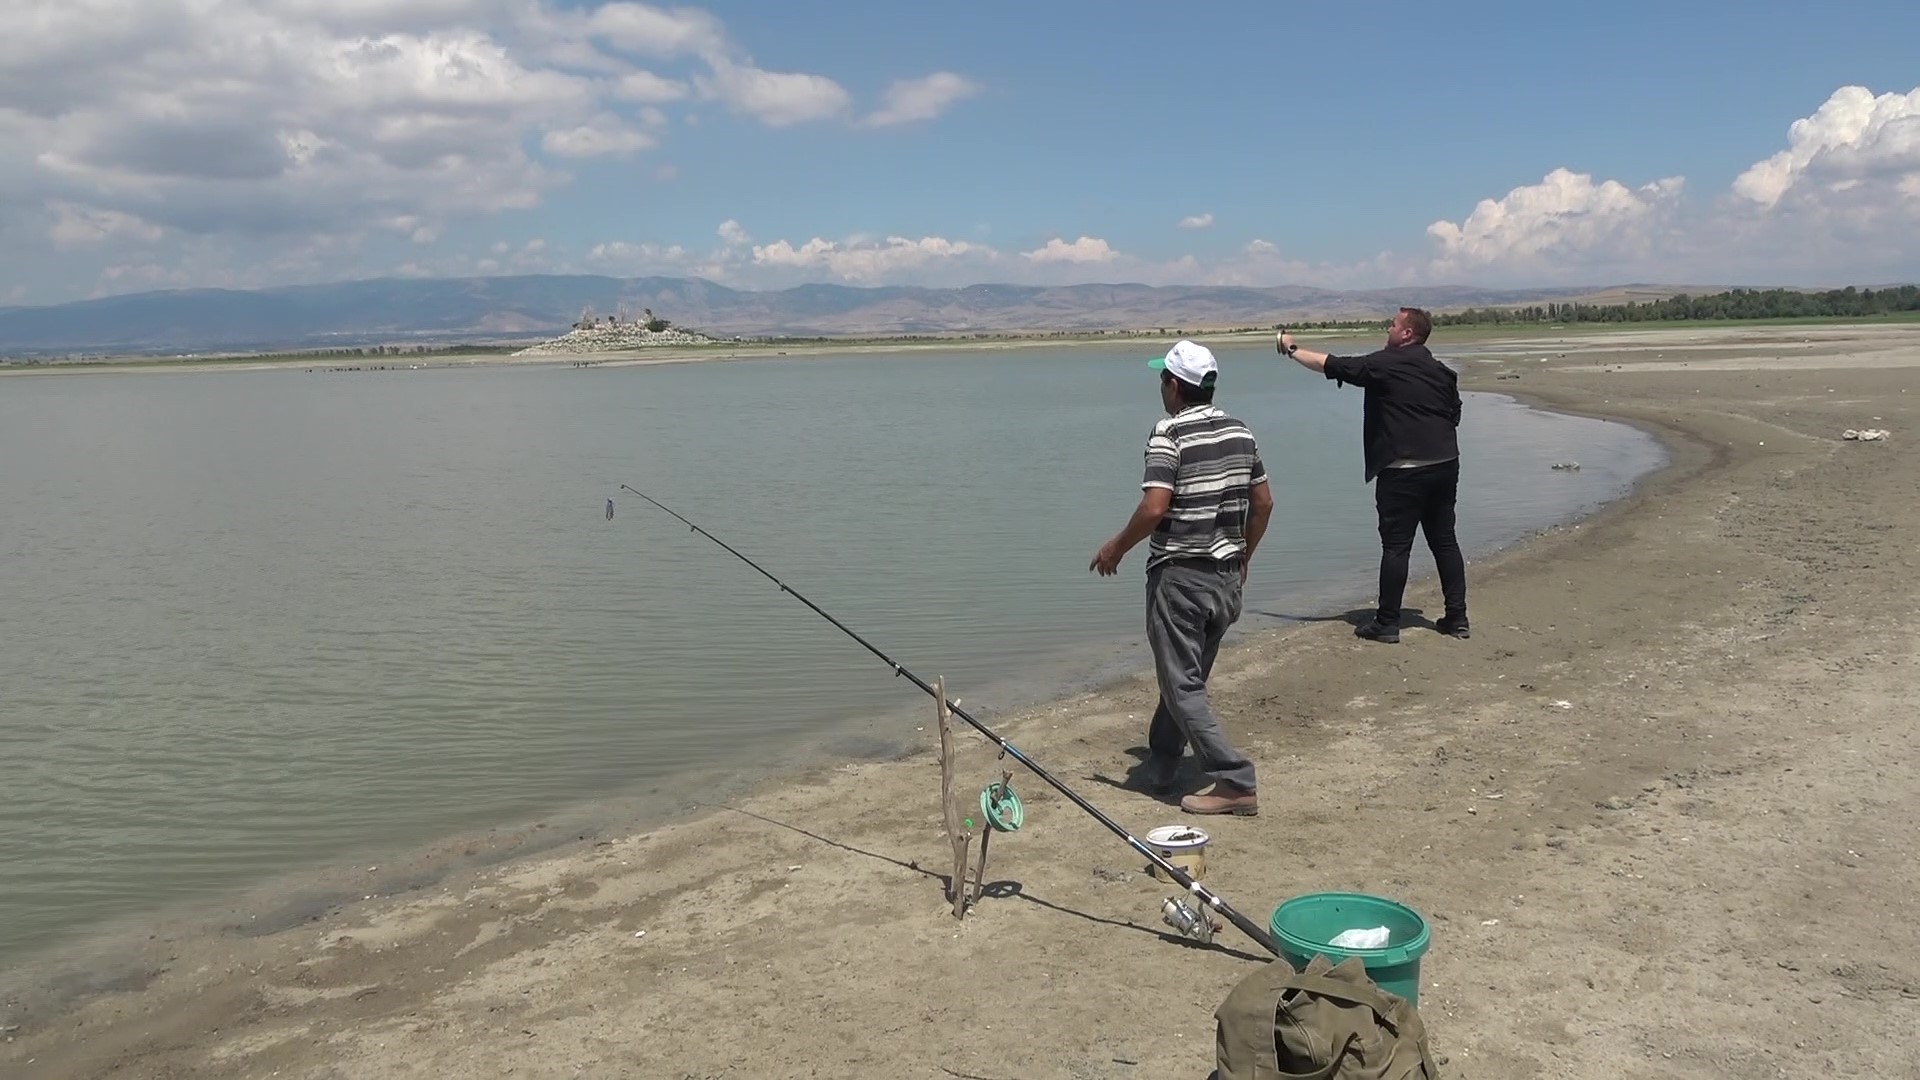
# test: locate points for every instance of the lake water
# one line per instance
(261, 621)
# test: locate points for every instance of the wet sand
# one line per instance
(1662, 811)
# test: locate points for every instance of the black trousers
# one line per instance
(1421, 498)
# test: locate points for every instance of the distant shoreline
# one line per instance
(503, 356)
(465, 356)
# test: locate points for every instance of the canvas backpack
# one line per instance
(1326, 1022)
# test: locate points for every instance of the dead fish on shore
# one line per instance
(1567, 466)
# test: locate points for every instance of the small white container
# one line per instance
(1182, 845)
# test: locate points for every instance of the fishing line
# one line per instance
(1181, 918)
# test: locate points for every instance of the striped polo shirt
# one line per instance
(1210, 462)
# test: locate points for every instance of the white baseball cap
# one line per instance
(1190, 363)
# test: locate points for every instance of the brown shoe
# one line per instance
(1223, 798)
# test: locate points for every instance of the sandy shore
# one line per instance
(1663, 812)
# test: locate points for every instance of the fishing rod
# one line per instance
(1177, 915)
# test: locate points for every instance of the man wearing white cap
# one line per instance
(1205, 505)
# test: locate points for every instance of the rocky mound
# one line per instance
(615, 338)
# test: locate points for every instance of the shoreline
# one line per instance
(487, 357)
(1579, 334)
(730, 872)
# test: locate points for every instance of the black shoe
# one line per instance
(1453, 626)
(1378, 631)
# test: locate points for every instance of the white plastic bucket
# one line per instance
(1182, 845)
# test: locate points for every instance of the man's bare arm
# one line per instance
(1306, 358)
(1259, 509)
(1146, 517)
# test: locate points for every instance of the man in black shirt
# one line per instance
(1411, 415)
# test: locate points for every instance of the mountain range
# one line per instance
(487, 310)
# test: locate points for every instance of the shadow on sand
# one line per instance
(1004, 890)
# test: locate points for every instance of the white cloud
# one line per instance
(235, 121)
(606, 136)
(1840, 202)
(642, 28)
(1852, 139)
(1087, 249)
(775, 98)
(911, 100)
(637, 258)
(647, 88)
(265, 124)
(866, 261)
(249, 142)
(1567, 216)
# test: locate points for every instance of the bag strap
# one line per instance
(1354, 993)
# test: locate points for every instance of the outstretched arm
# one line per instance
(1306, 358)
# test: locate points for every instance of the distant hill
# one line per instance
(519, 309)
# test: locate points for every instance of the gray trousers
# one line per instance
(1190, 604)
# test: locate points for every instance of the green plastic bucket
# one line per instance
(1306, 925)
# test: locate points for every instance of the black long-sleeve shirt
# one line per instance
(1412, 408)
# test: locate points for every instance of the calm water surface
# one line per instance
(259, 621)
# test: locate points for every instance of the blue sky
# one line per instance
(167, 143)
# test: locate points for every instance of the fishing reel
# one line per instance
(1190, 918)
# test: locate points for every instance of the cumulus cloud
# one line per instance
(648, 88)
(1086, 249)
(866, 261)
(637, 258)
(605, 137)
(1197, 221)
(1261, 247)
(237, 119)
(911, 100)
(1840, 200)
(1566, 216)
(775, 98)
(1853, 138)
(931, 260)
(654, 31)
(268, 123)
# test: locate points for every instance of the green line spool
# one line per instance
(1001, 807)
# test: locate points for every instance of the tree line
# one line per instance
(1849, 303)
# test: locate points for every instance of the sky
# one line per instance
(148, 144)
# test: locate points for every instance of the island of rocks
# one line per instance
(616, 333)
